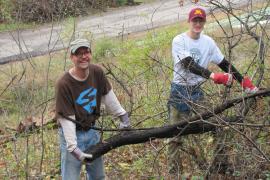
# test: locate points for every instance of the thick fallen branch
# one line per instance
(135, 137)
(145, 133)
(193, 126)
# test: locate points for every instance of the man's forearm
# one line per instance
(69, 129)
(112, 104)
(226, 66)
(218, 78)
(193, 67)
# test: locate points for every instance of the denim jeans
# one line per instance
(182, 97)
(71, 167)
(181, 107)
(182, 103)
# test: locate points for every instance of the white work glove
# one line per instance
(124, 121)
(81, 156)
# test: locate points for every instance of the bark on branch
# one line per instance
(192, 126)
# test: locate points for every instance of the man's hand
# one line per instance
(248, 86)
(124, 121)
(222, 78)
(81, 156)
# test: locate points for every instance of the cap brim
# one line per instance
(202, 17)
(74, 49)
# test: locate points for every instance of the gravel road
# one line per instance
(20, 45)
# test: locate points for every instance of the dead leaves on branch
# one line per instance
(28, 125)
(32, 123)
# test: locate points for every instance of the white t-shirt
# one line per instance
(203, 50)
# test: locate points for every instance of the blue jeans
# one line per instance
(182, 97)
(180, 108)
(71, 167)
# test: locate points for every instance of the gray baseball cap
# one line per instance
(76, 44)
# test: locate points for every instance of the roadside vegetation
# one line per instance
(140, 68)
(24, 14)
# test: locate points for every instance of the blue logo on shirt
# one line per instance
(87, 99)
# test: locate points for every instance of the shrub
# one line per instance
(44, 11)
(5, 10)
(51, 10)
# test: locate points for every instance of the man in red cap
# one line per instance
(192, 52)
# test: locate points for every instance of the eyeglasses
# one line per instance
(197, 20)
(81, 54)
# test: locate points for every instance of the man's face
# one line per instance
(81, 58)
(197, 25)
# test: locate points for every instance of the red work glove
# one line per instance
(248, 86)
(222, 78)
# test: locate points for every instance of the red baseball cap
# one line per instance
(197, 12)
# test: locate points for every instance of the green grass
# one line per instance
(16, 26)
(34, 83)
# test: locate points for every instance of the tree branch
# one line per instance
(193, 125)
